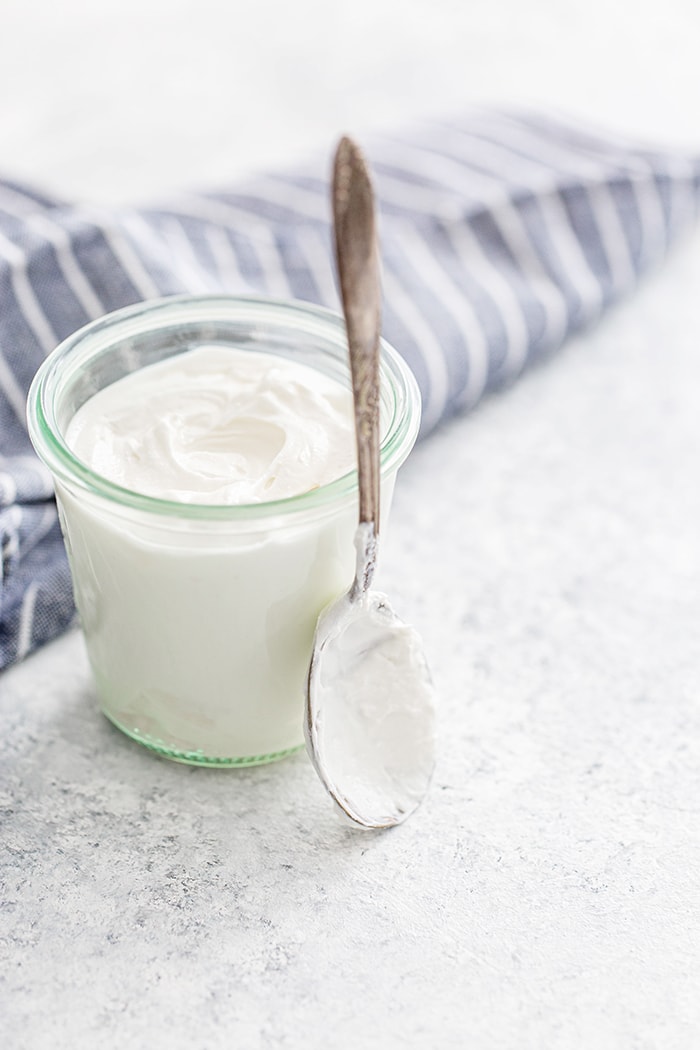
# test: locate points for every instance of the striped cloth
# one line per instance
(501, 234)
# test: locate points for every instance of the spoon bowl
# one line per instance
(370, 711)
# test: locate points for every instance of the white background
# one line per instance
(120, 98)
(547, 895)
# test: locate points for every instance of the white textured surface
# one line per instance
(548, 893)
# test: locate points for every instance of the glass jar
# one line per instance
(199, 619)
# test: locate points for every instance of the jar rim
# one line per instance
(150, 315)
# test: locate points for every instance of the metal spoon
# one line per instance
(369, 708)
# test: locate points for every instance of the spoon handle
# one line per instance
(358, 268)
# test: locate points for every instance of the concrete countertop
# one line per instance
(548, 892)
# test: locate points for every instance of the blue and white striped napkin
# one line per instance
(501, 234)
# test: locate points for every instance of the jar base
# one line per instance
(198, 758)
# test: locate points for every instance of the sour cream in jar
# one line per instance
(203, 455)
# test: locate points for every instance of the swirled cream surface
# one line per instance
(218, 425)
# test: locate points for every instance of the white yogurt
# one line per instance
(199, 609)
(218, 426)
(199, 632)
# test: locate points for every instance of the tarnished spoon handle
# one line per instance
(358, 268)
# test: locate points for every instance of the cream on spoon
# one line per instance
(369, 723)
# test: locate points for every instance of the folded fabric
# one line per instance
(501, 234)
